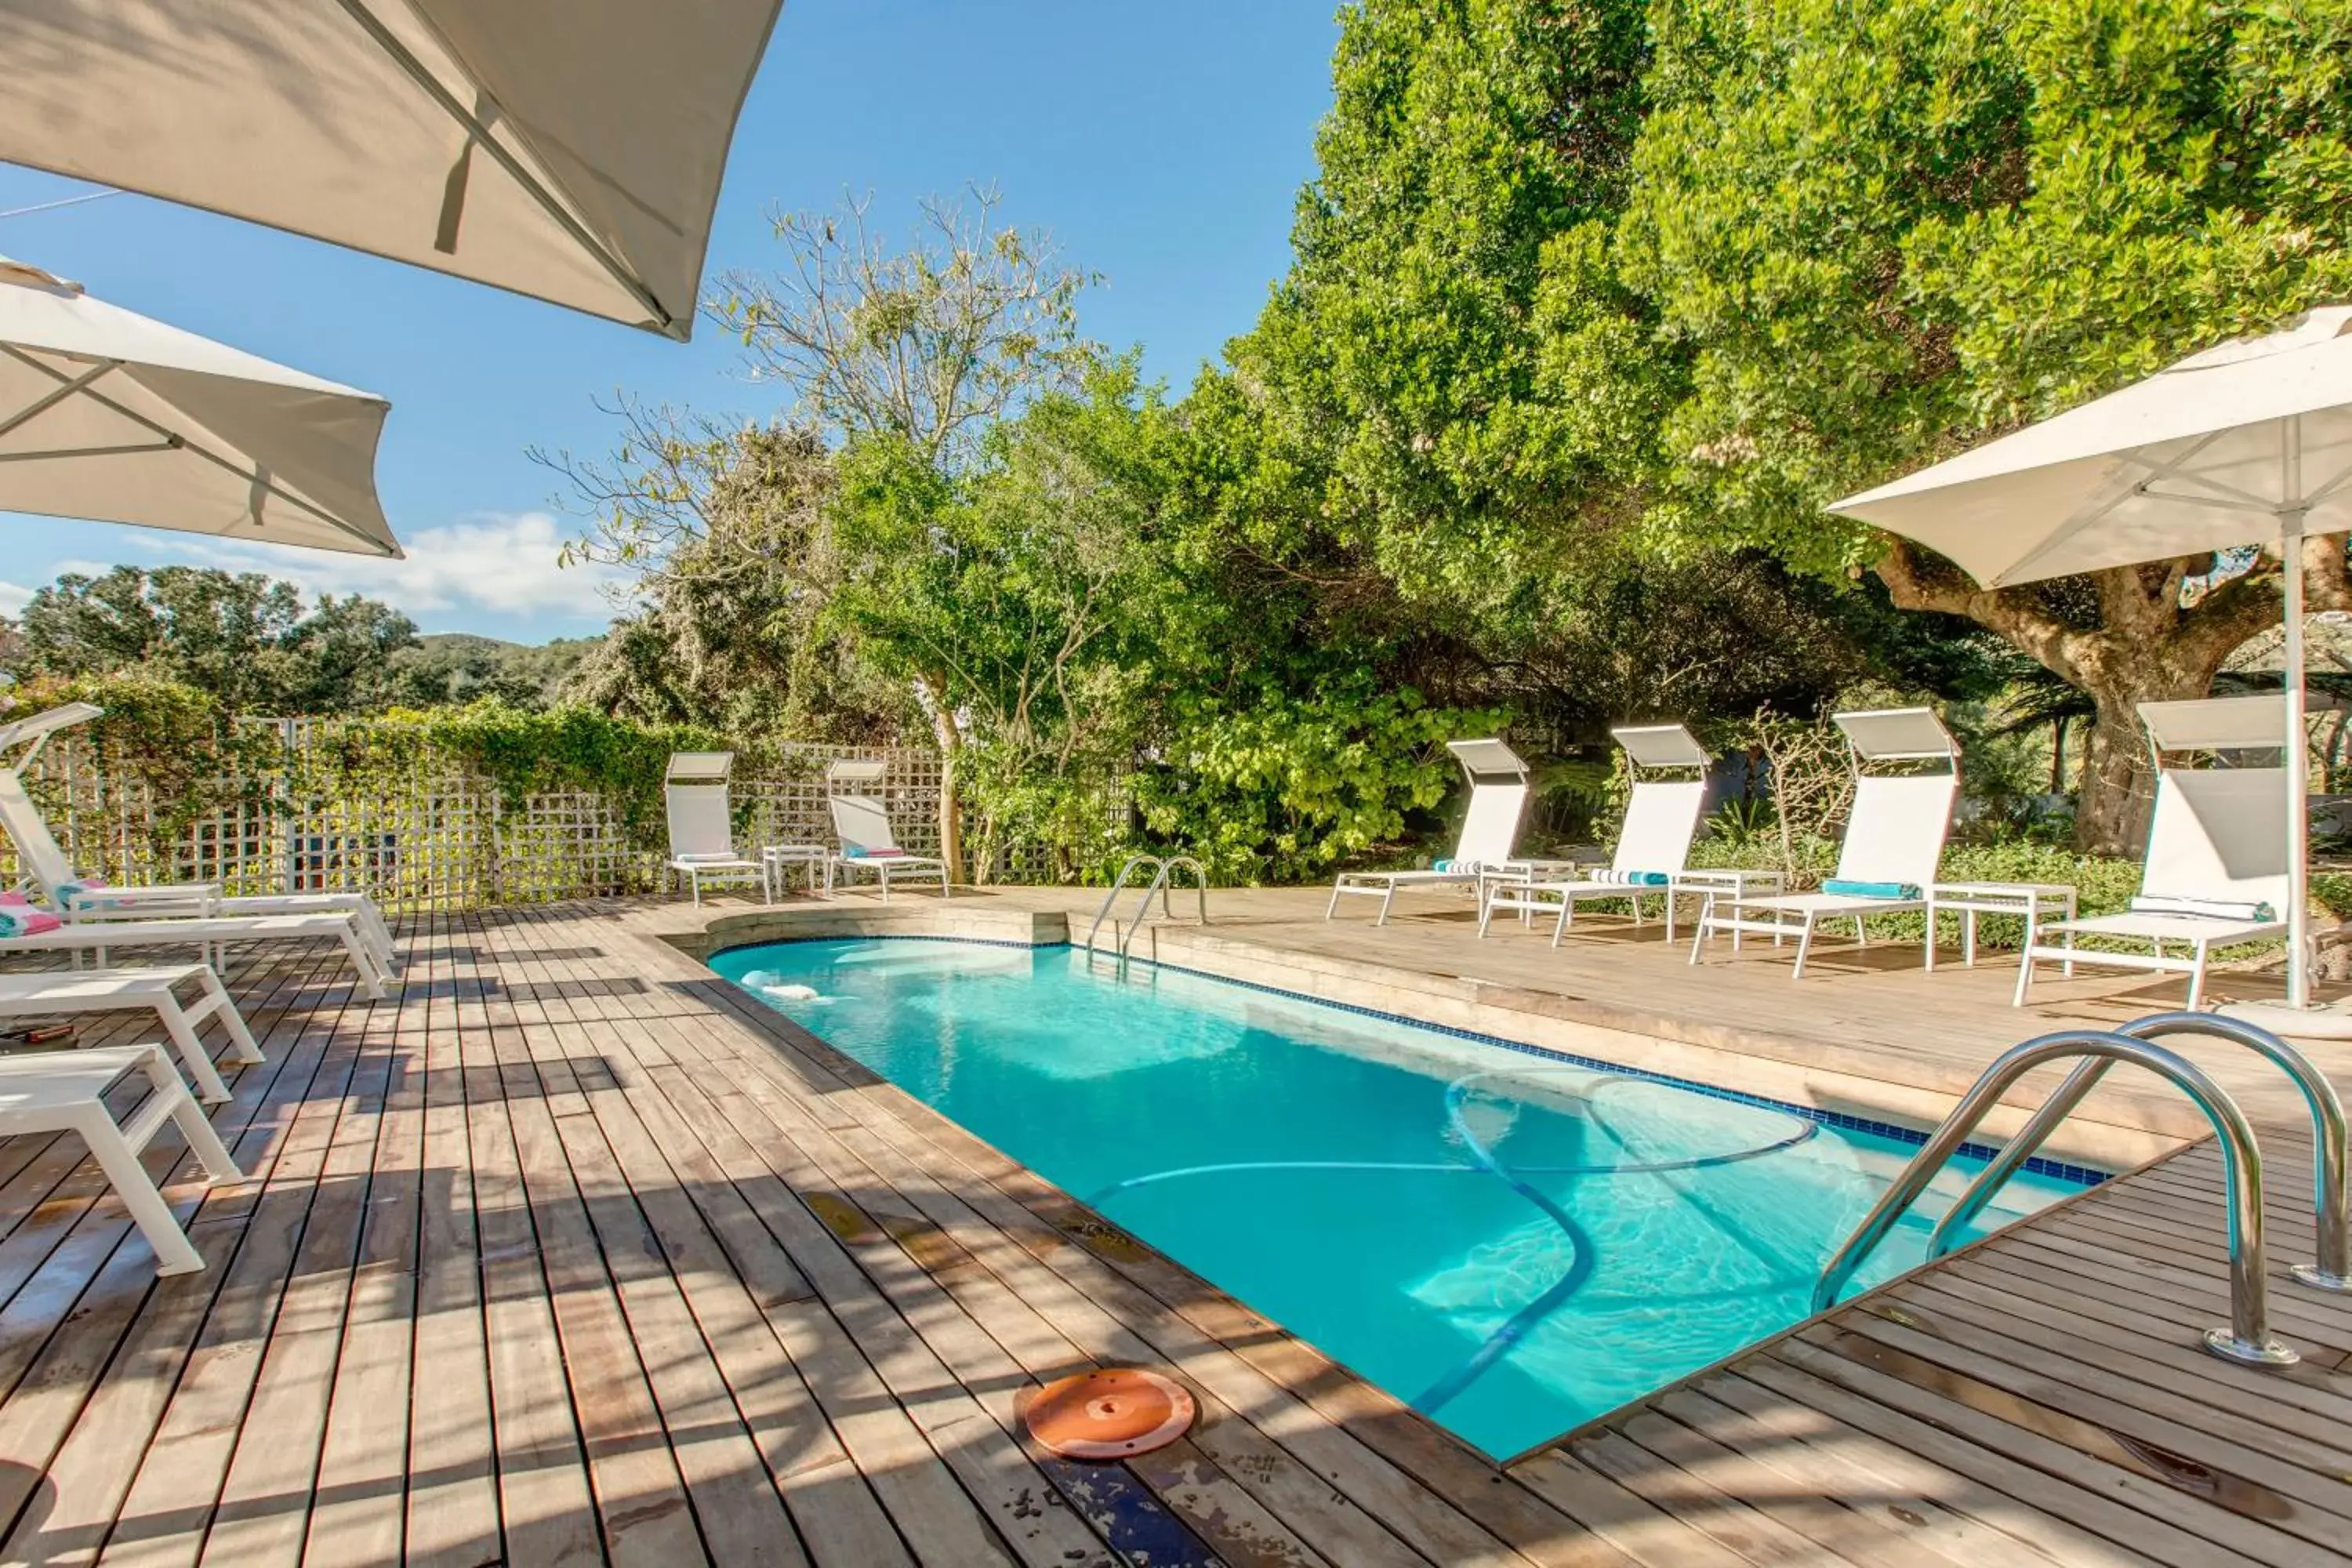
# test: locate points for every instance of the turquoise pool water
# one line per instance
(1513, 1244)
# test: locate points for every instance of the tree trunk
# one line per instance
(2118, 774)
(2058, 754)
(950, 740)
(2157, 636)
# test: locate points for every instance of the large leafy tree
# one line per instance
(921, 345)
(243, 638)
(1874, 236)
(1449, 422)
(1446, 268)
(1018, 591)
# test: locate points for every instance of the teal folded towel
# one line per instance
(1845, 890)
(1632, 878)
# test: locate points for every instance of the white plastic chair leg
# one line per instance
(370, 979)
(174, 1254)
(209, 1087)
(218, 1002)
(1804, 945)
(219, 1164)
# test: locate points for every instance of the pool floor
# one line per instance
(1510, 1242)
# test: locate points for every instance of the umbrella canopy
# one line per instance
(2247, 443)
(105, 414)
(570, 150)
(2208, 454)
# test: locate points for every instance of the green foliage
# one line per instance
(733, 530)
(1875, 235)
(1284, 789)
(245, 639)
(522, 751)
(1020, 591)
(176, 741)
(457, 668)
(1411, 348)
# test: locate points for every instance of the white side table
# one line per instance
(777, 860)
(2032, 902)
(1731, 886)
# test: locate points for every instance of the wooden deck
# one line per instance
(565, 1254)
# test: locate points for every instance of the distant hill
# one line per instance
(460, 667)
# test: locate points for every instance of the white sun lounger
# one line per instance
(1893, 838)
(142, 990)
(99, 938)
(1653, 846)
(2216, 868)
(869, 847)
(1490, 830)
(72, 897)
(702, 822)
(65, 1092)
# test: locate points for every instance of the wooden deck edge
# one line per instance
(700, 933)
(1864, 1302)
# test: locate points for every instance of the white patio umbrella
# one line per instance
(571, 150)
(2247, 443)
(105, 414)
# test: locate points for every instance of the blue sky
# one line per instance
(1162, 145)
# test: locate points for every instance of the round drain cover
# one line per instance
(1108, 1414)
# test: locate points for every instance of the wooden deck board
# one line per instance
(567, 1252)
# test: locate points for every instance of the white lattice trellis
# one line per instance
(431, 835)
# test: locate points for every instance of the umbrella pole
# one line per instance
(2298, 758)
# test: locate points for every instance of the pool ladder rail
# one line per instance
(1161, 869)
(2247, 1338)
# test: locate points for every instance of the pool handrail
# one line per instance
(2247, 1338)
(2331, 1198)
(1162, 867)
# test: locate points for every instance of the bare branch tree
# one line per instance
(929, 342)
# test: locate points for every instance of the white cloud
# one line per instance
(13, 599)
(504, 562)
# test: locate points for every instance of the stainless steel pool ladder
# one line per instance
(2331, 1200)
(2247, 1338)
(1161, 869)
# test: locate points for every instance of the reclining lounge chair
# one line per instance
(702, 822)
(866, 846)
(1490, 828)
(1893, 838)
(1653, 846)
(77, 899)
(2216, 868)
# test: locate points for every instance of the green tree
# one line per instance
(1875, 237)
(1017, 593)
(453, 668)
(732, 530)
(926, 344)
(1446, 269)
(243, 639)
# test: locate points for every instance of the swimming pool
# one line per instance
(1512, 1243)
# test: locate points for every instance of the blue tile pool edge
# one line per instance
(2083, 1176)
